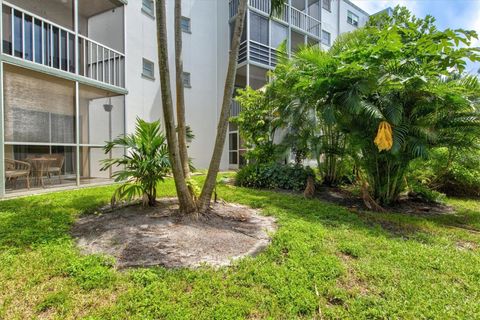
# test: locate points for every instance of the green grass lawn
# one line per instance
(324, 262)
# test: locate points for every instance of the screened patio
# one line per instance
(49, 143)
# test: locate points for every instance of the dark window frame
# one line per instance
(148, 74)
(187, 79)
(351, 20)
(148, 7)
(187, 28)
(329, 38)
(327, 5)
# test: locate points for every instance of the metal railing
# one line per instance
(259, 53)
(234, 108)
(304, 22)
(295, 17)
(100, 62)
(32, 38)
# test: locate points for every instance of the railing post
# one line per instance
(23, 35)
(42, 40)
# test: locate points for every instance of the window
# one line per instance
(148, 8)
(259, 29)
(327, 5)
(279, 34)
(326, 38)
(186, 80)
(186, 25)
(352, 18)
(148, 69)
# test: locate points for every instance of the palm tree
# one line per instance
(210, 181)
(181, 127)
(187, 204)
(185, 198)
(145, 164)
(396, 73)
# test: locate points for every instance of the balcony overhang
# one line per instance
(62, 74)
(91, 8)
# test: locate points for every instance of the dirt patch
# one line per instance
(466, 245)
(350, 281)
(406, 204)
(157, 236)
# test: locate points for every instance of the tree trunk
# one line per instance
(210, 182)
(185, 199)
(181, 125)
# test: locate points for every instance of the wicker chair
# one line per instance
(55, 167)
(15, 169)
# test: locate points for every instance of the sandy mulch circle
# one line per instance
(139, 237)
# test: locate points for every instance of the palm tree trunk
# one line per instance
(181, 124)
(210, 182)
(185, 199)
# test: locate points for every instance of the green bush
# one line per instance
(426, 193)
(453, 173)
(274, 176)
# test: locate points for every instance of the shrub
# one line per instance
(426, 193)
(452, 172)
(274, 176)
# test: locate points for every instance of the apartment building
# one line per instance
(77, 73)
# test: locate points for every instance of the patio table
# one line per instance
(40, 168)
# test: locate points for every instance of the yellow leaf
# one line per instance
(384, 138)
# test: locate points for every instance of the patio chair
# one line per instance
(56, 165)
(15, 169)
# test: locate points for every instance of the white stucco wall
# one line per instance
(107, 28)
(346, 6)
(205, 54)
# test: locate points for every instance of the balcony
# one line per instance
(259, 53)
(34, 38)
(296, 18)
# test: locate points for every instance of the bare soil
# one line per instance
(406, 204)
(139, 237)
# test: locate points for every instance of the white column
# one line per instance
(289, 38)
(2, 138)
(77, 96)
(124, 69)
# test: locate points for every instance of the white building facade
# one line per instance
(77, 73)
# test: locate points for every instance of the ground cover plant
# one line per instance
(325, 261)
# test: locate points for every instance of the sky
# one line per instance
(451, 14)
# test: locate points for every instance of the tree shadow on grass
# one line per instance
(30, 221)
(392, 224)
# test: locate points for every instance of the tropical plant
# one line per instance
(257, 125)
(308, 118)
(143, 166)
(398, 80)
(449, 170)
(387, 94)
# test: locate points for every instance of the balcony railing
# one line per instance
(298, 19)
(32, 38)
(305, 22)
(234, 108)
(258, 52)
